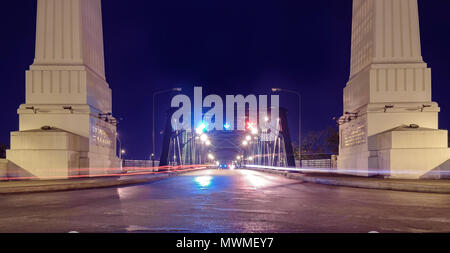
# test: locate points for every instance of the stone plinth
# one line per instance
(47, 153)
(3, 168)
(406, 152)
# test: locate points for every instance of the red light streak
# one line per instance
(144, 171)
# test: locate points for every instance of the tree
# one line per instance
(319, 143)
(3, 149)
(333, 139)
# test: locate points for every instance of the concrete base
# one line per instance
(357, 164)
(54, 153)
(3, 168)
(410, 153)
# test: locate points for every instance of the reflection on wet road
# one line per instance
(226, 201)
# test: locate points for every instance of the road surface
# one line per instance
(225, 201)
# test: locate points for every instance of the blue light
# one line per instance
(202, 126)
(227, 126)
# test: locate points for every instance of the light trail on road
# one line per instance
(341, 171)
(143, 171)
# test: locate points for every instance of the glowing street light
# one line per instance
(201, 128)
(204, 137)
(238, 157)
(248, 137)
(245, 143)
(122, 152)
(207, 142)
(211, 156)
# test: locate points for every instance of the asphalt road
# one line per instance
(225, 201)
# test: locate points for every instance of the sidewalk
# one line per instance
(409, 185)
(27, 186)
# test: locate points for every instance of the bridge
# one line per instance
(271, 147)
(67, 136)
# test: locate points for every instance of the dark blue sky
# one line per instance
(228, 47)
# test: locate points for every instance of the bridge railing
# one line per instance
(317, 163)
(139, 165)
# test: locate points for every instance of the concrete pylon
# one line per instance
(390, 123)
(65, 125)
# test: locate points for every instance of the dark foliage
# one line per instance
(320, 143)
(3, 149)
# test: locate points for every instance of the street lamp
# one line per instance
(203, 137)
(121, 153)
(299, 119)
(201, 128)
(153, 119)
(120, 146)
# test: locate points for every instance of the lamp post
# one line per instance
(120, 146)
(299, 119)
(120, 150)
(153, 119)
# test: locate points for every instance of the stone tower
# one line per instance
(66, 89)
(390, 123)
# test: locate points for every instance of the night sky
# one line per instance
(226, 46)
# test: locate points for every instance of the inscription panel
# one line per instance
(353, 136)
(101, 135)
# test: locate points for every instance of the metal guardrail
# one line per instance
(317, 163)
(140, 163)
(130, 166)
(302, 170)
